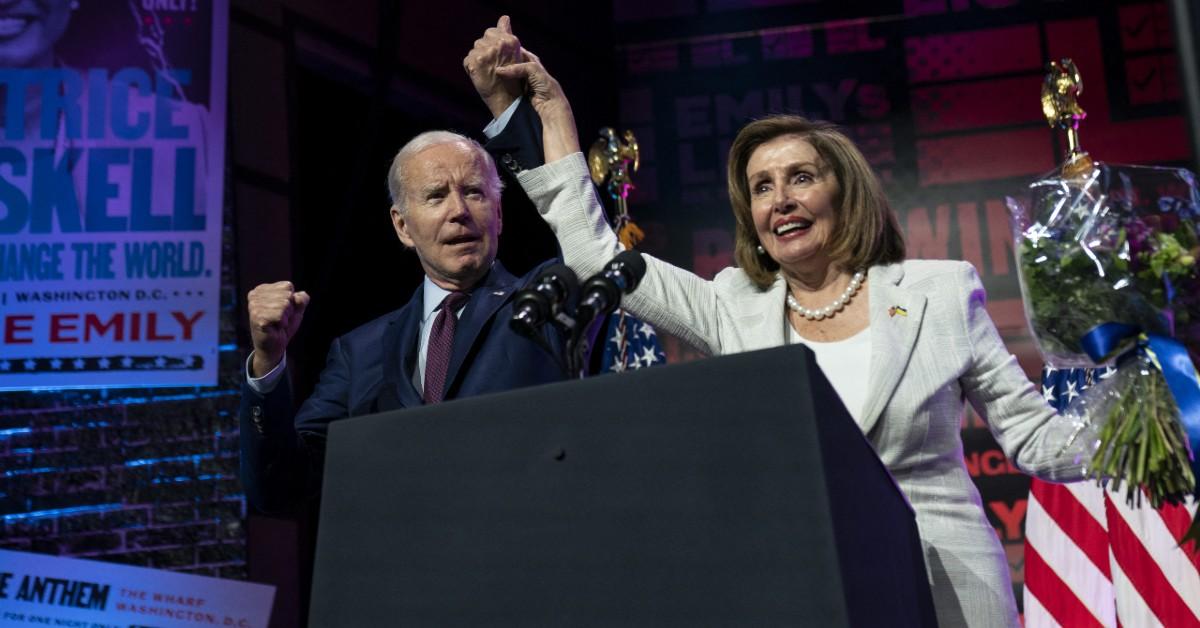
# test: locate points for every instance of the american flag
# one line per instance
(1092, 560)
(629, 344)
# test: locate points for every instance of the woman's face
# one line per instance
(29, 29)
(792, 194)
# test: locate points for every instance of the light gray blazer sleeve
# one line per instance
(1031, 433)
(668, 297)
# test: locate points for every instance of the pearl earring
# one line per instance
(760, 249)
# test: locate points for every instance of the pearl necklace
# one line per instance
(833, 308)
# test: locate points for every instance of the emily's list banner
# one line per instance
(111, 180)
(38, 590)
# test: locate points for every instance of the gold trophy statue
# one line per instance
(1060, 104)
(628, 343)
(611, 160)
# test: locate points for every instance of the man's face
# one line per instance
(451, 214)
(29, 30)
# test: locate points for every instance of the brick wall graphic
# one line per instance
(145, 477)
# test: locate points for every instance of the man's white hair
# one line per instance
(396, 175)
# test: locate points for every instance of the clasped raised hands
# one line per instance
(502, 70)
(497, 47)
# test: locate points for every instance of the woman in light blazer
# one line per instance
(821, 262)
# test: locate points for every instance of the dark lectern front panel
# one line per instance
(679, 496)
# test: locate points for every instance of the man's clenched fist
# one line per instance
(276, 310)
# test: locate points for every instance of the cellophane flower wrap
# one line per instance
(1107, 257)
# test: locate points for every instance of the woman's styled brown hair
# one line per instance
(865, 231)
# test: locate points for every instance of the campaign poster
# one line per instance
(111, 181)
(39, 590)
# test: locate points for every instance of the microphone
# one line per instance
(543, 300)
(602, 293)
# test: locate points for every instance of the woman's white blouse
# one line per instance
(844, 362)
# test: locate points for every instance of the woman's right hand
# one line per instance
(559, 137)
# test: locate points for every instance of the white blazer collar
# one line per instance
(895, 314)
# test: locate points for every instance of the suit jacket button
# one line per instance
(511, 163)
(256, 419)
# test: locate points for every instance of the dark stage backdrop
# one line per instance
(941, 95)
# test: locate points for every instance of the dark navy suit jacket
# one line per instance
(370, 370)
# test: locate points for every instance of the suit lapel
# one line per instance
(400, 354)
(486, 298)
(896, 315)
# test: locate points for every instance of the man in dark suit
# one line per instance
(451, 340)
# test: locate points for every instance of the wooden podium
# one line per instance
(734, 491)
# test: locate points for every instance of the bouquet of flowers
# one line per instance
(1107, 256)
